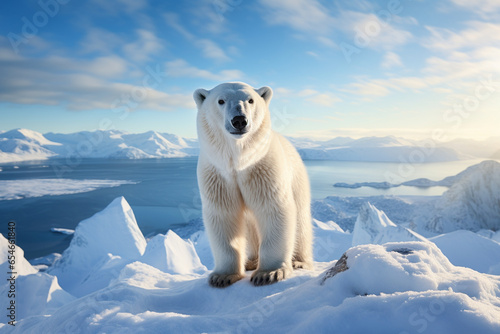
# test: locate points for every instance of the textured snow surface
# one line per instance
(110, 280)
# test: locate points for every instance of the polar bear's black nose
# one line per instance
(239, 122)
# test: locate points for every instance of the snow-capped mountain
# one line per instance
(22, 144)
(386, 149)
(473, 201)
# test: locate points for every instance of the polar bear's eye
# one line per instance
(250, 101)
(221, 102)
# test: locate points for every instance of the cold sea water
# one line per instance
(165, 192)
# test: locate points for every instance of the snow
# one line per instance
(19, 189)
(66, 231)
(173, 255)
(22, 144)
(110, 280)
(468, 249)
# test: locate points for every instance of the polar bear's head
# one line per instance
(235, 108)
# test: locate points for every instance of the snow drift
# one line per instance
(124, 284)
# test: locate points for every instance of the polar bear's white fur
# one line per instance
(254, 188)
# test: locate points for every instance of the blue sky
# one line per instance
(416, 69)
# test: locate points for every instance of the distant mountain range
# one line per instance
(396, 149)
(23, 144)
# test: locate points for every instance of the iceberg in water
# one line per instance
(374, 227)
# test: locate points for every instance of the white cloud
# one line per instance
(301, 15)
(476, 34)
(209, 48)
(367, 30)
(324, 99)
(307, 92)
(390, 60)
(119, 6)
(180, 68)
(485, 8)
(82, 84)
(100, 40)
(146, 45)
(368, 88)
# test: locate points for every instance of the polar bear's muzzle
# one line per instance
(238, 125)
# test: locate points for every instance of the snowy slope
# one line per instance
(22, 145)
(468, 249)
(387, 149)
(118, 144)
(472, 203)
(126, 285)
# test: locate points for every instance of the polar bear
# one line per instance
(254, 188)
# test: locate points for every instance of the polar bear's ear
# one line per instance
(266, 93)
(199, 96)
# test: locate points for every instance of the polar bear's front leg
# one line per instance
(277, 227)
(227, 241)
(223, 216)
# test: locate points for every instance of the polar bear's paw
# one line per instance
(269, 277)
(223, 280)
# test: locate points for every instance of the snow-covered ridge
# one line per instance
(22, 144)
(394, 149)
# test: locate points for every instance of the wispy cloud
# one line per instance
(180, 68)
(391, 60)
(477, 34)
(209, 48)
(308, 17)
(301, 15)
(485, 8)
(367, 30)
(83, 84)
